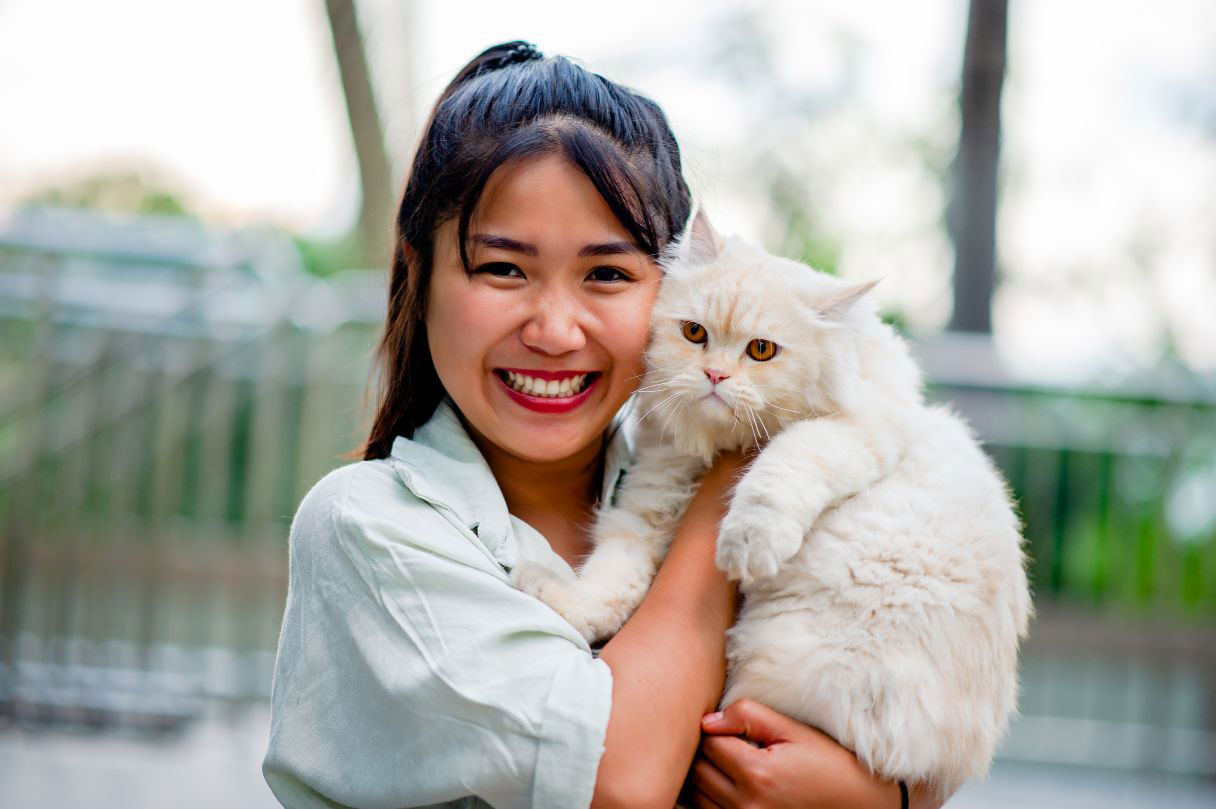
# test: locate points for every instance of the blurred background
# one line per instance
(195, 209)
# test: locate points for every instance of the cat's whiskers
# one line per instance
(655, 386)
(675, 410)
(677, 379)
(767, 437)
(660, 404)
(645, 373)
(735, 413)
(756, 421)
(752, 424)
(631, 404)
(651, 367)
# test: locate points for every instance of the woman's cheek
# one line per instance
(628, 330)
(460, 319)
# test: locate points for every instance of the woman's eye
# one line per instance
(607, 274)
(694, 332)
(500, 269)
(761, 350)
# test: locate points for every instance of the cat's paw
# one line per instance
(555, 590)
(755, 538)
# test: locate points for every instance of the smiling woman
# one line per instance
(538, 339)
(410, 671)
(542, 304)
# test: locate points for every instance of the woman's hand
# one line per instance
(795, 766)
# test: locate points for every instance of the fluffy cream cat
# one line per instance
(873, 541)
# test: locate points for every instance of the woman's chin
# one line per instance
(547, 446)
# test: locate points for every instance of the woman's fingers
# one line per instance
(753, 720)
(702, 801)
(730, 754)
(714, 783)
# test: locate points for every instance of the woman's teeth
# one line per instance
(547, 388)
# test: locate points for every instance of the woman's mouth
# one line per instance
(548, 391)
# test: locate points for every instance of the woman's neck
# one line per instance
(554, 497)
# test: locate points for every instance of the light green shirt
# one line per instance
(410, 672)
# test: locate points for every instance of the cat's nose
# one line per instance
(715, 376)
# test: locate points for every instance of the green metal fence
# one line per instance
(1117, 491)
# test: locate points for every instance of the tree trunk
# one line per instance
(375, 173)
(972, 217)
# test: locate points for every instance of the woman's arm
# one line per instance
(668, 660)
(795, 767)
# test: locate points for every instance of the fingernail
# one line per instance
(712, 718)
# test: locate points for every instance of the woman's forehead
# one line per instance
(544, 194)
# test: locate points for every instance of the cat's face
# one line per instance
(743, 343)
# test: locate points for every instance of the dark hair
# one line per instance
(508, 104)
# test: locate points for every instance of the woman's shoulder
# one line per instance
(368, 509)
(346, 492)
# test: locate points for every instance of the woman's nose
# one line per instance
(555, 327)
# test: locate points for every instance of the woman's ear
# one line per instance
(410, 254)
(407, 259)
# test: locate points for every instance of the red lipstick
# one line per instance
(548, 404)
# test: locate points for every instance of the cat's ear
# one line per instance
(702, 243)
(838, 304)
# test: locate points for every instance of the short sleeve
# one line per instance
(411, 673)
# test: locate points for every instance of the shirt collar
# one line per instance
(443, 467)
(619, 453)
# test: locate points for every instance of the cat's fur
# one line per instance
(874, 542)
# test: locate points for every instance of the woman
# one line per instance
(409, 671)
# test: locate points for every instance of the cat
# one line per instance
(875, 545)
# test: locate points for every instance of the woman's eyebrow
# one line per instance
(505, 243)
(609, 249)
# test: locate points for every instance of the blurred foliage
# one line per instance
(804, 238)
(118, 192)
(325, 258)
(139, 192)
(134, 192)
(896, 320)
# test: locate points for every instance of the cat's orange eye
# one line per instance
(694, 332)
(761, 350)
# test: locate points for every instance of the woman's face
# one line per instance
(542, 344)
